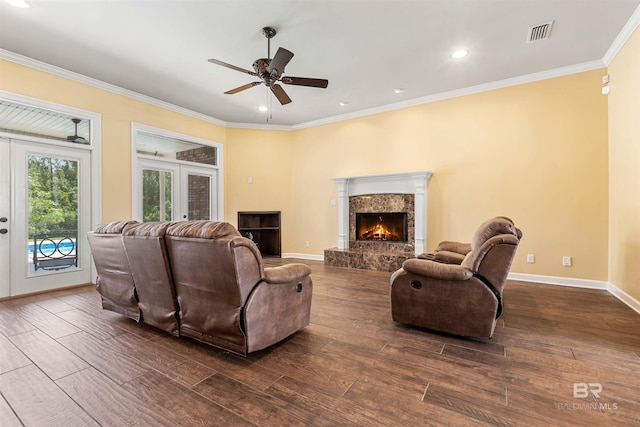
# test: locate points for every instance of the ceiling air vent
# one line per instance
(539, 32)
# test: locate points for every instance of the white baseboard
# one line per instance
(547, 280)
(624, 297)
(633, 303)
(311, 257)
(564, 281)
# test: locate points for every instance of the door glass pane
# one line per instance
(53, 214)
(157, 200)
(199, 189)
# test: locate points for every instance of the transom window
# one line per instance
(173, 148)
(22, 119)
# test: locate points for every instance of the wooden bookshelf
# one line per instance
(263, 227)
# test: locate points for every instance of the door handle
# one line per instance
(3, 231)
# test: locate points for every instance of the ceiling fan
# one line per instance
(270, 71)
(75, 138)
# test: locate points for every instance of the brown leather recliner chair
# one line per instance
(226, 297)
(115, 281)
(462, 299)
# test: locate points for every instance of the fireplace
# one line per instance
(382, 226)
(367, 201)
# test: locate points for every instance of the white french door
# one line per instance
(45, 194)
(170, 191)
(198, 193)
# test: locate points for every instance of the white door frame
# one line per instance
(5, 212)
(95, 148)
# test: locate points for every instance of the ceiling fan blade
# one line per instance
(305, 81)
(279, 61)
(233, 67)
(241, 88)
(280, 94)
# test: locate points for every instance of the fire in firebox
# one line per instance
(381, 226)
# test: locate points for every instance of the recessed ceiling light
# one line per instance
(343, 103)
(18, 3)
(263, 108)
(399, 90)
(459, 54)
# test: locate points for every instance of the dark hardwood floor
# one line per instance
(66, 362)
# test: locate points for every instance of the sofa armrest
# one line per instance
(436, 270)
(287, 273)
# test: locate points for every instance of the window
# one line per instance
(174, 148)
(22, 119)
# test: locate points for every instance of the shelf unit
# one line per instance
(263, 227)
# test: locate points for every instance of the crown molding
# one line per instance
(622, 37)
(61, 72)
(258, 126)
(499, 84)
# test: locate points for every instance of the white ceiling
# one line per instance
(365, 49)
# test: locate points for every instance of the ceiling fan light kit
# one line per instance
(270, 72)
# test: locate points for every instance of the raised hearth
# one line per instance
(395, 206)
(365, 259)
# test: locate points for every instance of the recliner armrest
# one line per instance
(287, 273)
(457, 247)
(436, 270)
(448, 257)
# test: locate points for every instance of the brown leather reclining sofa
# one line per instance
(199, 279)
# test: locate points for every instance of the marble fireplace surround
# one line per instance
(414, 183)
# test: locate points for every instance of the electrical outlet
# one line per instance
(531, 258)
(566, 261)
(250, 180)
(307, 244)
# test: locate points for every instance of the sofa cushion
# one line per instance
(202, 229)
(115, 227)
(146, 229)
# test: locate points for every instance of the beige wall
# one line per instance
(624, 168)
(535, 152)
(117, 113)
(265, 156)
